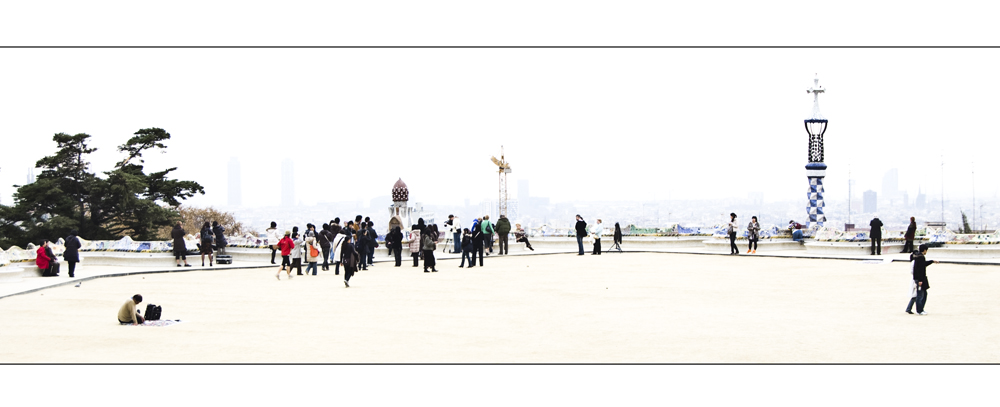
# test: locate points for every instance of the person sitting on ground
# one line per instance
(46, 260)
(128, 314)
(521, 236)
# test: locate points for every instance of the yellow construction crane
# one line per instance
(504, 169)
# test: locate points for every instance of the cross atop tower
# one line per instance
(816, 90)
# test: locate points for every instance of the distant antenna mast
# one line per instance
(849, 193)
(503, 170)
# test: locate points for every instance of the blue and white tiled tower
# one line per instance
(816, 169)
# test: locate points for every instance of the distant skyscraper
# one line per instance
(870, 201)
(890, 185)
(287, 183)
(235, 183)
(921, 200)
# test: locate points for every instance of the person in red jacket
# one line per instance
(46, 261)
(286, 244)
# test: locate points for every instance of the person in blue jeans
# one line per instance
(920, 264)
(581, 232)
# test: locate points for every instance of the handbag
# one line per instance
(313, 252)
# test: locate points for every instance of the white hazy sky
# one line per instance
(580, 124)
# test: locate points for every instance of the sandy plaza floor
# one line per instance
(559, 308)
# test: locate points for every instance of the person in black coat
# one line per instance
(180, 248)
(876, 235)
(395, 242)
(911, 233)
(618, 238)
(581, 232)
(372, 242)
(72, 253)
(920, 264)
(220, 237)
(466, 247)
(361, 245)
(349, 257)
(325, 238)
(477, 246)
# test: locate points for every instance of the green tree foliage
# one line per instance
(965, 224)
(67, 195)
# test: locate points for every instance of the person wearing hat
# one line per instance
(876, 235)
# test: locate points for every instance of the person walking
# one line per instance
(911, 233)
(581, 232)
(220, 237)
(597, 230)
(295, 255)
(466, 248)
(618, 238)
(414, 244)
(521, 236)
(732, 228)
(338, 244)
(285, 245)
(394, 240)
(207, 240)
(349, 257)
(488, 231)
(273, 239)
(313, 252)
(503, 229)
(428, 244)
(72, 253)
(477, 246)
(753, 234)
(876, 235)
(180, 247)
(920, 263)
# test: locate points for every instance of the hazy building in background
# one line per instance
(287, 183)
(890, 187)
(235, 183)
(870, 201)
(921, 202)
(522, 194)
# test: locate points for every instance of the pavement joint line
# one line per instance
(185, 270)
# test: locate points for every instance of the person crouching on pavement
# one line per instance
(128, 314)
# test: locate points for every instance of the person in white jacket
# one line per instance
(596, 231)
(336, 245)
(272, 239)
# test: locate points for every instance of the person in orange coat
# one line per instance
(44, 261)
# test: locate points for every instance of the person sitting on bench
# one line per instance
(128, 315)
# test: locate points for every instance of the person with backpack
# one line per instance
(503, 229)
(220, 237)
(488, 230)
(207, 240)
(349, 258)
(324, 239)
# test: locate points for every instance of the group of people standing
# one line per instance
(351, 246)
(211, 237)
(595, 232)
(753, 234)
